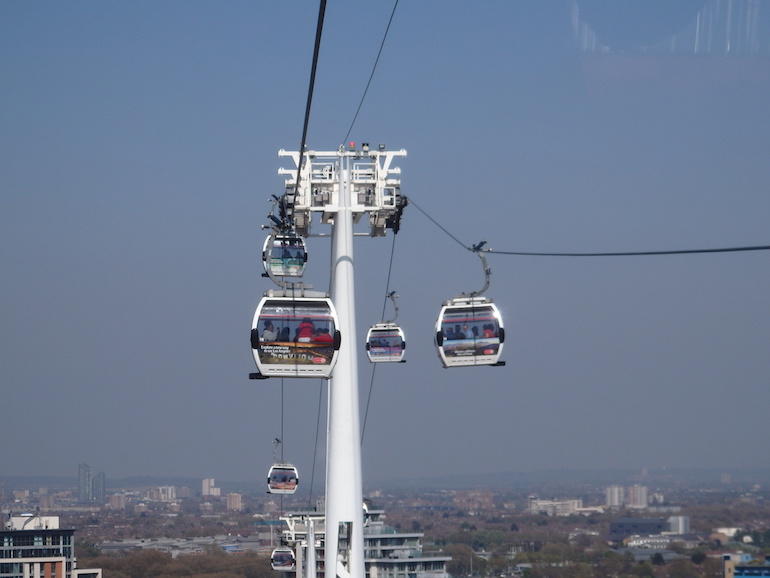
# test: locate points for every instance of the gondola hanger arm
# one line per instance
(393, 296)
(487, 271)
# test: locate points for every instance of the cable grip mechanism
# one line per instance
(487, 271)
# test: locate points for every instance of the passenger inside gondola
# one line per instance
(282, 560)
(323, 336)
(283, 480)
(287, 258)
(269, 333)
(294, 337)
(385, 343)
(305, 331)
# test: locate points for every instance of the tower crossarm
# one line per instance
(373, 183)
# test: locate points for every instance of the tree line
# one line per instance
(213, 563)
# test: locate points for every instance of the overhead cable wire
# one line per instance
(315, 446)
(306, 122)
(374, 365)
(382, 44)
(313, 68)
(387, 281)
(435, 222)
(368, 400)
(347, 135)
(636, 253)
(282, 413)
(604, 254)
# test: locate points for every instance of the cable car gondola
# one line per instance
(284, 255)
(294, 334)
(283, 559)
(469, 331)
(385, 342)
(282, 479)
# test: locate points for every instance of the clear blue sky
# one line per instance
(138, 149)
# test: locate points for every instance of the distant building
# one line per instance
(627, 527)
(554, 507)
(184, 492)
(741, 564)
(615, 496)
(46, 502)
(35, 546)
(655, 542)
(637, 497)
(208, 488)
(116, 502)
(21, 496)
(91, 489)
(98, 491)
(84, 482)
(161, 494)
(679, 524)
(387, 552)
(234, 502)
(729, 532)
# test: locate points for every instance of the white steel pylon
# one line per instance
(340, 187)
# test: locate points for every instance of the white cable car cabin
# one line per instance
(385, 342)
(469, 332)
(282, 479)
(294, 336)
(284, 256)
(283, 559)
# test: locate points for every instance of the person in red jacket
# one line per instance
(305, 330)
